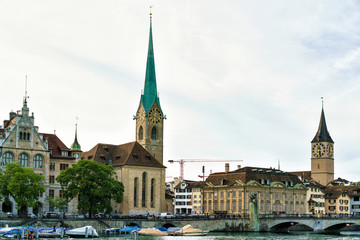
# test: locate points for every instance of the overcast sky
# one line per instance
(237, 79)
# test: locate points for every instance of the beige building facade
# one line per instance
(277, 192)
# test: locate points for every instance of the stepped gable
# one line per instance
(247, 174)
(125, 154)
(55, 145)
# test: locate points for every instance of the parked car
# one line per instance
(51, 215)
(117, 216)
(166, 215)
(31, 215)
(12, 215)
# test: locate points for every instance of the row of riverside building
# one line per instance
(278, 192)
(139, 166)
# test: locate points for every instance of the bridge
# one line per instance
(270, 223)
(266, 224)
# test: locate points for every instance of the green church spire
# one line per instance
(75, 146)
(150, 94)
(322, 134)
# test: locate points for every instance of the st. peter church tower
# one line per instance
(322, 154)
(149, 116)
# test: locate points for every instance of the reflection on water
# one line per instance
(241, 236)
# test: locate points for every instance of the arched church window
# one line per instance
(8, 157)
(21, 136)
(143, 192)
(153, 133)
(24, 160)
(141, 133)
(28, 137)
(152, 195)
(38, 161)
(136, 186)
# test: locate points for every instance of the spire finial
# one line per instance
(150, 11)
(26, 96)
(322, 102)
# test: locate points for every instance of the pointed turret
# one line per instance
(150, 94)
(322, 134)
(75, 146)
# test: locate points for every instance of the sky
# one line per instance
(238, 80)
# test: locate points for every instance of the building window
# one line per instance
(141, 133)
(63, 166)
(38, 161)
(24, 160)
(52, 166)
(51, 193)
(153, 133)
(152, 194)
(136, 186)
(143, 192)
(8, 157)
(51, 179)
(64, 154)
(61, 193)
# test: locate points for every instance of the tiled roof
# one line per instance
(333, 192)
(125, 154)
(55, 144)
(247, 174)
(305, 174)
(189, 184)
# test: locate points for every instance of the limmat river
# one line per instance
(241, 236)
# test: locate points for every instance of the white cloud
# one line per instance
(237, 79)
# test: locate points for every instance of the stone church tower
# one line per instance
(149, 116)
(322, 154)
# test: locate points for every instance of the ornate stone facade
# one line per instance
(20, 141)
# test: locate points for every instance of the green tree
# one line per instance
(21, 183)
(94, 185)
(57, 202)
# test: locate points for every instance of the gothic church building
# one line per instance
(139, 165)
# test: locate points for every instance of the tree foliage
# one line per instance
(94, 185)
(57, 202)
(21, 183)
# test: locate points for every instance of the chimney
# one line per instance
(12, 115)
(227, 167)
(239, 166)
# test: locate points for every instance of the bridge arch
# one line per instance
(132, 224)
(337, 227)
(167, 225)
(285, 226)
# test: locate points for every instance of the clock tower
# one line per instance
(149, 116)
(322, 154)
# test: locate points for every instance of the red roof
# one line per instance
(55, 144)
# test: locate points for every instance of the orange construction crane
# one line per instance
(182, 161)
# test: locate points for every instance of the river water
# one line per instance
(241, 236)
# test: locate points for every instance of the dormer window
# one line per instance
(64, 153)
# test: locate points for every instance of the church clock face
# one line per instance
(155, 115)
(318, 150)
(330, 150)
